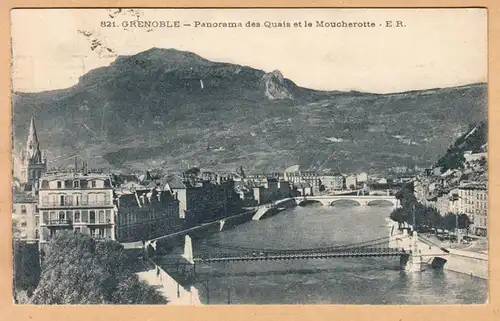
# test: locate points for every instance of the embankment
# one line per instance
(268, 210)
(168, 287)
(201, 230)
(466, 262)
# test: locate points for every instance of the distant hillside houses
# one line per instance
(462, 188)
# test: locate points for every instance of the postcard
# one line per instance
(249, 156)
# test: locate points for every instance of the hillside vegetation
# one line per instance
(168, 108)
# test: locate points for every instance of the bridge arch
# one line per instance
(381, 202)
(345, 201)
(310, 202)
(438, 262)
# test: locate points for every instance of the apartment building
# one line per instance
(82, 202)
(201, 201)
(146, 214)
(25, 217)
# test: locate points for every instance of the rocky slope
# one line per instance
(169, 108)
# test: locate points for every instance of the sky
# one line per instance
(435, 48)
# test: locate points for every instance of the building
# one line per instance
(82, 202)
(33, 161)
(351, 182)
(469, 156)
(285, 189)
(313, 179)
(362, 177)
(26, 218)
(333, 182)
(201, 201)
(303, 189)
(443, 203)
(146, 214)
(475, 204)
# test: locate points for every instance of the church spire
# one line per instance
(33, 152)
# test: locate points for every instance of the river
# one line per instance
(323, 281)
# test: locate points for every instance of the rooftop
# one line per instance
(23, 198)
(73, 175)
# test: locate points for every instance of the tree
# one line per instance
(26, 266)
(450, 221)
(399, 215)
(464, 221)
(78, 270)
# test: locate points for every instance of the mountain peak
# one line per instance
(169, 56)
(276, 86)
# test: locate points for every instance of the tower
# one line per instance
(34, 162)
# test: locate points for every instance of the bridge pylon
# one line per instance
(221, 225)
(414, 263)
(188, 249)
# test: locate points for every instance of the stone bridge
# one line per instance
(360, 199)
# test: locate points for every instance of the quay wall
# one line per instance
(460, 261)
(167, 286)
(198, 231)
(468, 263)
(268, 210)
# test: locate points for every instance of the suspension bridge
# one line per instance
(231, 253)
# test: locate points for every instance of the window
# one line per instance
(45, 217)
(62, 216)
(37, 221)
(76, 184)
(92, 198)
(92, 216)
(77, 230)
(78, 199)
(36, 208)
(61, 200)
(77, 216)
(93, 184)
(59, 184)
(23, 209)
(101, 216)
(37, 234)
(85, 216)
(108, 216)
(23, 224)
(69, 215)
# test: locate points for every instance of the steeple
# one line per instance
(33, 153)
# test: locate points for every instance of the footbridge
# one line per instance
(372, 248)
(360, 199)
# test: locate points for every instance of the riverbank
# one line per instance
(166, 283)
(473, 263)
(204, 228)
(268, 210)
(168, 287)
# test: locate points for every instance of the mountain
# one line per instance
(168, 108)
(474, 140)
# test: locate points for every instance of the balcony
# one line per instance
(74, 205)
(101, 238)
(101, 222)
(56, 223)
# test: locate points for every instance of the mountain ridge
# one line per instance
(159, 108)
